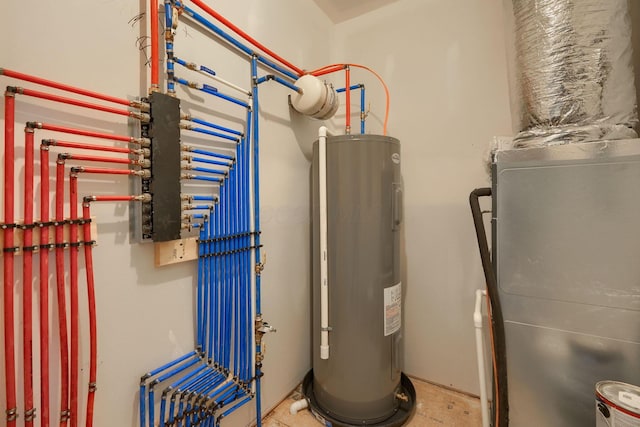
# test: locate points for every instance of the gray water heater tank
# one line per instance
(358, 379)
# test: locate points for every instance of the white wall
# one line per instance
(145, 315)
(445, 64)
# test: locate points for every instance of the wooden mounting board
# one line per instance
(176, 251)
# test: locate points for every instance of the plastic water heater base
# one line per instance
(399, 417)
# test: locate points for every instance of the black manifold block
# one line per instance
(164, 184)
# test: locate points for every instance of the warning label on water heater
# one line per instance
(392, 309)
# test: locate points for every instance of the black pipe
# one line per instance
(497, 323)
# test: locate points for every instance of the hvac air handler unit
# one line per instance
(357, 290)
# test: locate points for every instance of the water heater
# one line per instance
(357, 287)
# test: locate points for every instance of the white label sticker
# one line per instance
(392, 309)
(630, 399)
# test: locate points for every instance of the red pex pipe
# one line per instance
(62, 306)
(108, 171)
(73, 266)
(246, 36)
(44, 286)
(27, 279)
(112, 198)
(83, 146)
(9, 335)
(347, 72)
(155, 50)
(76, 102)
(61, 86)
(63, 129)
(100, 159)
(328, 70)
(93, 349)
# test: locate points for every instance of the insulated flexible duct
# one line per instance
(575, 75)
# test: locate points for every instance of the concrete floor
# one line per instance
(436, 407)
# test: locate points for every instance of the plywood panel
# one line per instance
(436, 406)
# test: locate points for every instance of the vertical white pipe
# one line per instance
(477, 320)
(324, 271)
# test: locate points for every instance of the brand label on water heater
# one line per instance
(392, 309)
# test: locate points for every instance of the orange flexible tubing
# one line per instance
(336, 67)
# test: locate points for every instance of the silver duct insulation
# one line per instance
(575, 74)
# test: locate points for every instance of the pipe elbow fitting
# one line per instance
(298, 405)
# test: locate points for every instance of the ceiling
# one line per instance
(341, 10)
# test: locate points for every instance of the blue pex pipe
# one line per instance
(214, 133)
(220, 282)
(362, 103)
(168, 14)
(177, 390)
(354, 87)
(168, 22)
(234, 407)
(214, 126)
(199, 18)
(362, 106)
(235, 263)
(205, 178)
(211, 284)
(225, 97)
(200, 298)
(161, 379)
(190, 387)
(210, 162)
(153, 373)
(143, 416)
(207, 170)
(247, 243)
(211, 91)
(256, 214)
(170, 68)
(287, 84)
(200, 208)
(211, 154)
(216, 283)
(203, 198)
(208, 312)
(226, 328)
(201, 67)
(238, 353)
(279, 80)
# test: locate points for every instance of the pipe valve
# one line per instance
(265, 328)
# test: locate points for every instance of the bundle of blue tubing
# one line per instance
(206, 385)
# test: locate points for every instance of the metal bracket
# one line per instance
(30, 415)
(12, 414)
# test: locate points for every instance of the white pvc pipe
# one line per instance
(477, 320)
(324, 271)
(298, 405)
(224, 82)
